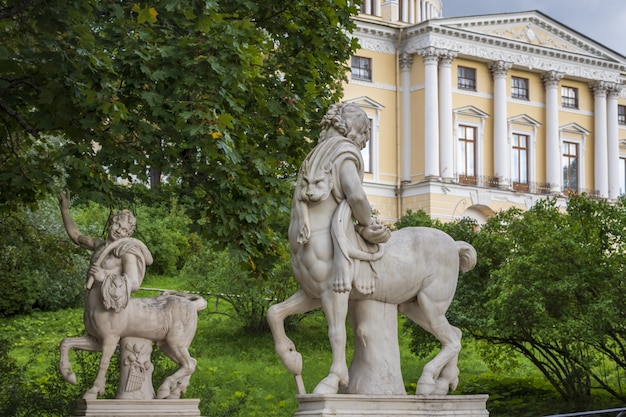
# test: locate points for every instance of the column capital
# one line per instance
(599, 88)
(405, 61)
(447, 56)
(429, 54)
(551, 78)
(500, 67)
(615, 90)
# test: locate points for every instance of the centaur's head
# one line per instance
(115, 292)
(349, 120)
(122, 224)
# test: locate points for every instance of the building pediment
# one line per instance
(574, 128)
(523, 119)
(528, 40)
(366, 102)
(533, 29)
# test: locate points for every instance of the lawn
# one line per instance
(238, 373)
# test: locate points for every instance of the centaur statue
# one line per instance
(112, 316)
(341, 254)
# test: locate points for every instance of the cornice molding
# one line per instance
(528, 56)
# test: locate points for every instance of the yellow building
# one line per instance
(475, 114)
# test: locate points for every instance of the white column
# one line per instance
(601, 172)
(613, 141)
(431, 112)
(405, 13)
(446, 136)
(499, 70)
(553, 147)
(412, 11)
(405, 62)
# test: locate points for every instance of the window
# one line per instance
(366, 152)
(519, 88)
(621, 114)
(466, 155)
(519, 162)
(570, 166)
(622, 176)
(361, 68)
(367, 7)
(467, 78)
(569, 97)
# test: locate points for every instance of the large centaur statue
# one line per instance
(340, 253)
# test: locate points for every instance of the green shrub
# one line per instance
(250, 295)
(39, 267)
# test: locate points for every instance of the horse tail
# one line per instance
(199, 302)
(467, 256)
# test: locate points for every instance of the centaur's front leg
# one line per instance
(298, 303)
(335, 307)
(81, 342)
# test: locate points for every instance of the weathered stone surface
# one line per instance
(391, 406)
(138, 408)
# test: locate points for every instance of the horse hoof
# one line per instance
(163, 393)
(424, 390)
(92, 394)
(293, 362)
(71, 378)
(328, 385)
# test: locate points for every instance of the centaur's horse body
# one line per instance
(335, 260)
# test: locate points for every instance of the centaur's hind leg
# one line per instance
(335, 307)
(176, 384)
(440, 374)
(300, 302)
(82, 343)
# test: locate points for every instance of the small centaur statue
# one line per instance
(116, 270)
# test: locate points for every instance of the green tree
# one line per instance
(213, 101)
(549, 285)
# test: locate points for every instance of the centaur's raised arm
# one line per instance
(81, 240)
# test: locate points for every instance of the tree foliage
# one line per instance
(549, 284)
(213, 101)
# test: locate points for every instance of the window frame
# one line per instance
(462, 157)
(621, 114)
(520, 153)
(569, 101)
(464, 81)
(356, 71)
(520, 92)
(564, 167)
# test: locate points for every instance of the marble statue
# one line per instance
(112, 316)
(343, 258)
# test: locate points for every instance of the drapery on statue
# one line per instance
(340, 253)
(116, 270)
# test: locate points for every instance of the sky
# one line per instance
(604, 21)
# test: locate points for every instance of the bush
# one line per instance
(250, 294)
(39, 267)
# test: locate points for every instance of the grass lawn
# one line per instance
(239, 374)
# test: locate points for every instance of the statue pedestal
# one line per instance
(349, 405)
(375, 367)
(131, 408)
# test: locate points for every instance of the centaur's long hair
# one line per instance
(115, 292)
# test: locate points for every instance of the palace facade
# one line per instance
(475, 114)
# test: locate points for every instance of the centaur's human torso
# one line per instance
(317, 197)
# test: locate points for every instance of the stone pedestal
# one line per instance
(131, 408)
(135, 369)
(348, 405)
(375, 367)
